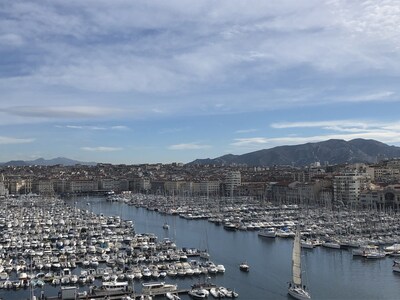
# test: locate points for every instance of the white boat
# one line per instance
(198, 293)
(244, 267)
(228, 293)
(268, 232)
(296, 288)
(331, 244)
(154, 288)
(172, 296)
(165, 226)
(216, 293)
(363, 250)
(308, 244)
(115, 286)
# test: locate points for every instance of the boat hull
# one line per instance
(299, 293)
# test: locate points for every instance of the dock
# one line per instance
(116, 295)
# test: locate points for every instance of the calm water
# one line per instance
(330, 274)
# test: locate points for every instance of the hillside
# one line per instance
(330, 151)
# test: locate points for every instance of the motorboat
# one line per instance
(154, 288)
(244, 267)
(172, 296)
(199, 293)
(268, 232)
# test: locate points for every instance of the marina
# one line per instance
(120, 249)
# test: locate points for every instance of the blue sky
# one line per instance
(161, 81)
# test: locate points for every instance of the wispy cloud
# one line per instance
(4, 140)
(172, 130)
(60, 111)
(87, 127)
(102, 149)
(120, 127)
(322, 124)
(246, 130)
(189, 146)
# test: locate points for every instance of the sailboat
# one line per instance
(296, 289)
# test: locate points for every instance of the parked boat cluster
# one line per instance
(340, 228)
(45, 241)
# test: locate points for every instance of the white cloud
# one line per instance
(4, 140)
(11, 40)
(102, 149)
(61, 111)
(91, 127)
(119, 127)
(95, 49)
(245, 130)
(188, 146)
(323, 124)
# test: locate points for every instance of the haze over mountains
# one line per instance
(330, 151)
(46, 162)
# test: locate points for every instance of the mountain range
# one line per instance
(332, 151)
(46, 162)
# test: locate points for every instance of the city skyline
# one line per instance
(139, 82)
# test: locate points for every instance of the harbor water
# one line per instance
(328, 273)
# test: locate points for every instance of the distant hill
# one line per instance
(46, 162)
(331, 151)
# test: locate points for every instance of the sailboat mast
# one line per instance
(296, 259)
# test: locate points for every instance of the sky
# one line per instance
(171, 81)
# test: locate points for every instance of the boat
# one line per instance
(331, 244)
(115, 286)
(268, 232)
(172, 296)
(296, 289)
(308, 244)
(244, 267)
(396, 266)
(216, 293)
(199, 293)
(165, 226)
(154, 288)
(230, 226)
(227, 292)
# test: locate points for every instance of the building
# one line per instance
(3, 189)
(381, 198)
(347, 188)
(232, 180)
(43, 187)
(82, 186)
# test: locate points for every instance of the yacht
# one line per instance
(153, 288)
(268, 232)
(199, 293)
(115, 286)
(244, 267)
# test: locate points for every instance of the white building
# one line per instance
(3, 190)
(232, 180)
(347, 187)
